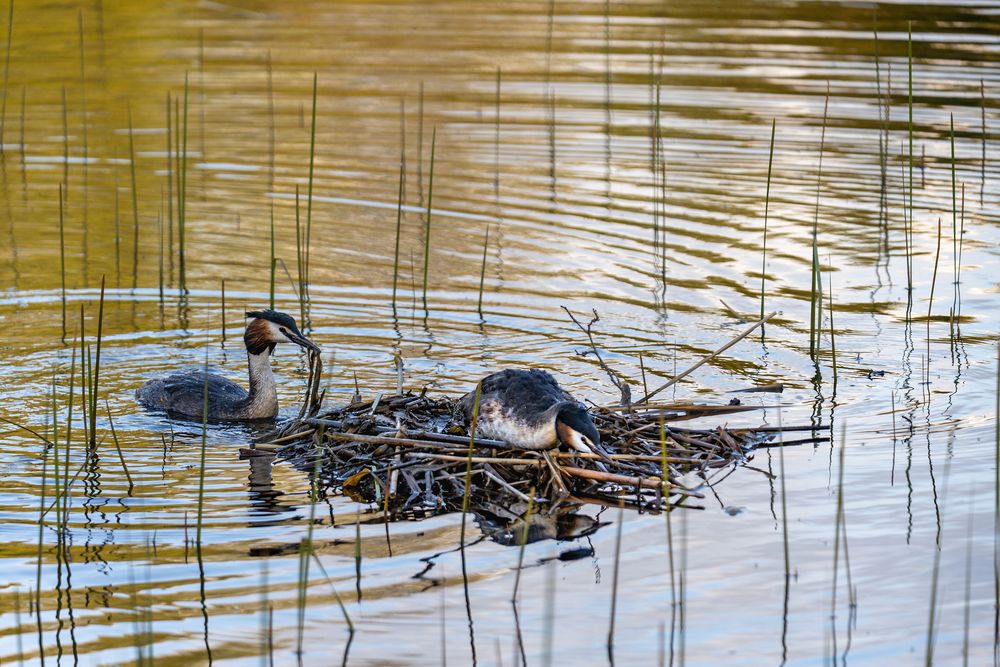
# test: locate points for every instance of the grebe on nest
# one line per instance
(529, 410)
(183, 394)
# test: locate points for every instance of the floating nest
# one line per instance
(411, 455)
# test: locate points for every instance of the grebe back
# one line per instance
(183, 394)
(529, 410)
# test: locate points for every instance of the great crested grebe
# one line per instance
(183, 394)
(528, 409)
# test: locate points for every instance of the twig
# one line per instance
(708, 358)
(616, 378)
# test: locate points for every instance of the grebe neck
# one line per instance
(263, 398)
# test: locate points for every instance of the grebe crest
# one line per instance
(529, 410)
(183, 394)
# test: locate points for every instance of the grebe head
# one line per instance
(576, 429)
(270, 327)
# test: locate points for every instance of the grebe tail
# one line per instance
(183, 394)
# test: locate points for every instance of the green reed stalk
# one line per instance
(496, 144)
(62, 256)
(118, 448)
(270, 114)
(201, 461)
(420, 143)
(118, 233)
(399, 223)
(937, 258)
(170, 191)
(223, 310)
(909, 130)
(182, 189)
(427, 227)
(882, 139)
(135, 201)
(201, 91)
(85, 375)
(472, 436)
(996, 514)
(159, 229)
(69, 403)
(607, 75)
(65, 119)
(522, 541)
(38, 565)
(55, 470)
(816, 289)
(299, 260)
(767, 201)
(6, 73)
(309, 193)
(961, 243)
(482, 271)
(954, 206)
(83, 115)
(94, 381)
(833, 335)
(24, 161)
(336, 594)
(982, 135)
(274, 263)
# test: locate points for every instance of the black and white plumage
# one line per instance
(529, 410)
(183, 394)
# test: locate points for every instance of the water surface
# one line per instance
(583, 209)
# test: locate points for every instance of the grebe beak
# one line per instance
(302, 341)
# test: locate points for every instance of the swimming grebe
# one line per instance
(183, 394)
(529, 410)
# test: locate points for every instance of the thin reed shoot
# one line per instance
(399, 223)
(427, 220)
(223, 313)
(118, 448)
(309, 193)
(182, 153)
(6, 74)
(833, 333)
(816, 287)
(909, 132)
(482, 272)
(95, 375)
(937, 258)
(767, 201)
(135, 201)
(62, 256)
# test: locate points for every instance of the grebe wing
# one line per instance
(183, 393)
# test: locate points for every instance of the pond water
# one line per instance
(542, 118)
